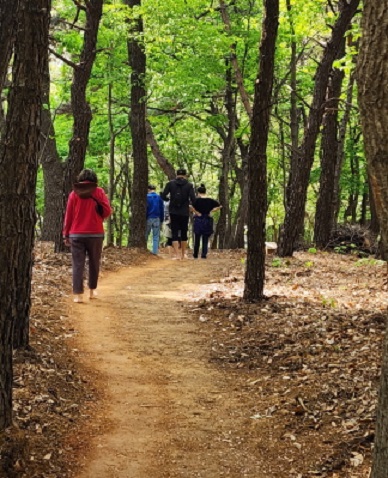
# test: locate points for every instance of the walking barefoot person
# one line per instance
(83, 230)
(180, 192)
(202, 207)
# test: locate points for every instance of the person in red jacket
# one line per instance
(83, 230)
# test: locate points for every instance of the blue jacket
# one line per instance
(155, 206)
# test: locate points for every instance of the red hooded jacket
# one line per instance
(82, 218)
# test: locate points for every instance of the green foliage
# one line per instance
(329, 302)
(277, 262)
(369, 262)
(188, 53)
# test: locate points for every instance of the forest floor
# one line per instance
(169, 374)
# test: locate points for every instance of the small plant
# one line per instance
(367, 262)
(309, 264)
(340, 249)
(312, 250)
(329, 302)
(276, 262)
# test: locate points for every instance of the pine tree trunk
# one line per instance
(373, 101)
(18, 170)
(137, 60)
(257, 158)
(53, 169)
(8, 12)
(324, 215)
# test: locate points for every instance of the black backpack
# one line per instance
(177, 197)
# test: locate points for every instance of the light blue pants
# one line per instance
(153, 224)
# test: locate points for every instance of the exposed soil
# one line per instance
(169, 374)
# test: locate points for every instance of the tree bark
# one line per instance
(18, 170)
(242, 213)
(228, 152)
(233, 57)
(163, 162)
(373, 101)
(324, 214)
(137, 61)
(257, 158)
(341, 149)
(53, 168)
(299, 180)
(8, 13)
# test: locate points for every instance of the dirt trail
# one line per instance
(167, 412)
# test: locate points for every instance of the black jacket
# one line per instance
(185, 190)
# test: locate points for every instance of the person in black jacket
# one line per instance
(180, 193)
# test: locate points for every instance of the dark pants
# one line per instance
(197, 241)
(179, 223)
(80, 247)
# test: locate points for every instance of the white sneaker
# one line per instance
(78, 298)
(93, 294)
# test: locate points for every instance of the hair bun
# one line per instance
(202, 185)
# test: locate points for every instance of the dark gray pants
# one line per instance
(80, 247)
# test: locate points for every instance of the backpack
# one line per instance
(178, 198)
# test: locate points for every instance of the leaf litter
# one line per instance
(306, 360)
(305, 363)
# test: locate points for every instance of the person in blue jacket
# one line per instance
(155, 216)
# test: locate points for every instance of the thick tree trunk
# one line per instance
(137, 60)
(18, 170)
(257, 159)
(299, 180)
(80, 108)
(324, 214)
(373, 101)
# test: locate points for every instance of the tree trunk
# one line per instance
(257, 158)
(53, 168)
(299, 180)
(233, 58)
(80, 108)
(374, 222)
(373, 101)
(324, 214)
(18, 170)
(341, 149)
(163, 162)
(137, 61)
(228, 152)
(8, 13)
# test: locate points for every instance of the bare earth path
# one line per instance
(167, 412)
